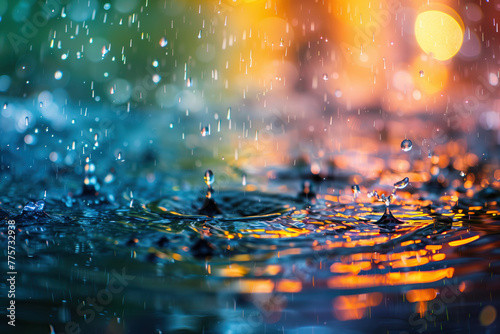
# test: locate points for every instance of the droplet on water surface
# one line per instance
(406, 145)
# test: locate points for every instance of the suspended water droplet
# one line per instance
(41, 104)
(209, 178)
(205, 131)
(401, 184)
(163, 42)
(58, 75)
(281, 42)
(27, 121)
(229, 113)
(199, 34)
(421, 73)
(325, 76)
(156, 78)
(155, 63)
(462, 174)
(244, 180)
(406, 145)
(5, 105)
(189, 82)
(355, 189)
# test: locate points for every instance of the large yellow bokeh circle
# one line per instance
(439, 32)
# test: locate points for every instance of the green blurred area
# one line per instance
(35, 36)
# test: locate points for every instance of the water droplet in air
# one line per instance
(41, 104)
(155, 63)
(58, 75)
(199, 34)
(209, 178)
(163, 42)
(421, 73)
(205, 131)
(462, 174)
(5, 105)
(406, 145)
(244, 180)
(325, 76)
(27, 121)
(401, 184)
(355, 189)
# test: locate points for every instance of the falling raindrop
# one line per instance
(205, 131)
(163, 42)
(421, 73)
(325, 76)
(27, 121)
(355, 190)
(402, 184)
(406, 145)
(209, 178)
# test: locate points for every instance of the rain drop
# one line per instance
(163, 42)
(209, 178)
(402, 184)
(406, 145)
(205, 131)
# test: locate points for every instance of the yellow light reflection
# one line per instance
(354, 307)
(394, 278)
(439, 32)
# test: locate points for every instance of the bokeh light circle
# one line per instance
(439, 32)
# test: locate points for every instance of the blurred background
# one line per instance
(252, 84)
